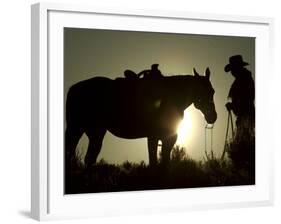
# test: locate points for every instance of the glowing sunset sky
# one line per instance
(89, 53)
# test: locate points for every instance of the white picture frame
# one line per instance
(47, 198)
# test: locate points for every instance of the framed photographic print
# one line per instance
(155, 111)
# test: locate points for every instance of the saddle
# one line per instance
(147, 74)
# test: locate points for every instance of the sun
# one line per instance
(184, 129)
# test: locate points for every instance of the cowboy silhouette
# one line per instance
(241, 94)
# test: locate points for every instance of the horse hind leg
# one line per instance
(72, 136)
(95, 144)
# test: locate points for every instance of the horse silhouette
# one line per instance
(134, 108)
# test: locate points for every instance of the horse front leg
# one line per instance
(152, 144)
(167, 146)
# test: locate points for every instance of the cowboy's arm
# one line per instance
(228, 106)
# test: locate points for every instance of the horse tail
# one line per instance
(70, 105)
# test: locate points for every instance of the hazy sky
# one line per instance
(89, 53)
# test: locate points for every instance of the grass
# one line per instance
(182, 172)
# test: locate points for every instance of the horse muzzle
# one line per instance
(211, 118)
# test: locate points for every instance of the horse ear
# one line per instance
(195, 72)
(207, 73)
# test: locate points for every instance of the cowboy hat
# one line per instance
(235, 61)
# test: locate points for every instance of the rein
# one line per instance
(209, 127)
(229, 119)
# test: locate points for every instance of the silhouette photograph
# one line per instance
(155, 111)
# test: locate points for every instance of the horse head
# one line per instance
(204, 96)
